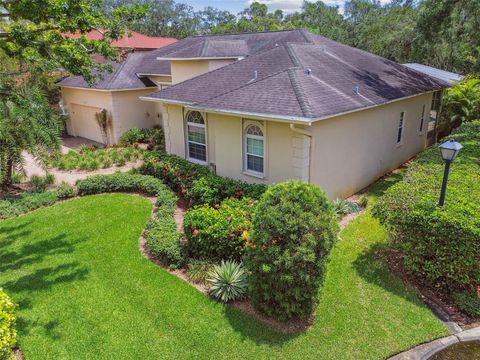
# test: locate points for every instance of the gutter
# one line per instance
(309, 134)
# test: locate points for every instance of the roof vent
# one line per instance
(255, 77)
(356, 89)
(308, 71)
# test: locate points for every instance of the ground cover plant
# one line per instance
(14, 205)
(440, 244)
(93, 158)
(85, 291)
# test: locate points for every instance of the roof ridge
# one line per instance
(117, 73)
(246, 33)
(299, 93)
(204, 47)
(296, 61)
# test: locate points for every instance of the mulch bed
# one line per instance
(434, 296)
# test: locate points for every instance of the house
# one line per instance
(118, 92)
(266, 107)
(132, 40)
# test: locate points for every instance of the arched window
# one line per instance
(254, 149)
(196, 136)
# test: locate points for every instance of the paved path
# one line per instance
(424, 351)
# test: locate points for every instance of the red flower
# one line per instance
(232, 235)
(195, 232)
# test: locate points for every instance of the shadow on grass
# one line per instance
(254, 330)
(378, 188)
(372, 266)
(28, 270)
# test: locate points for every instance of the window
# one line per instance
(254, 149)
(436, 103)
(422, 119)
(196, 137)
(400, 127)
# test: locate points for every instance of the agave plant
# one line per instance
(228, 281)
(340, 207)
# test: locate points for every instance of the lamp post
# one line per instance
(449, 150)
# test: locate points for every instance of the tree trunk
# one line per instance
(7, 179)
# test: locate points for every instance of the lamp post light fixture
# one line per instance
(449, 150)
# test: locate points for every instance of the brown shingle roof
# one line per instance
(307, 77)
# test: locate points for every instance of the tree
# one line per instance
(448, 35)
(34, 33)
(211, 17)
(27, 123)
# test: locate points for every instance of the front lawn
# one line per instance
(85, 292)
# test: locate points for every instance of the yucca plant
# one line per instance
(340, 207)
(228, 281)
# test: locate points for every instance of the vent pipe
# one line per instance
(255, 77)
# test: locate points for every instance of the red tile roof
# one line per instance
(131, 40)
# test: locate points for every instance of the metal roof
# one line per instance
(447, 76)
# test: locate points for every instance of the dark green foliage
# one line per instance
(218, 233)
(154, 137)
(122, 182)
(468, 302)
(228, 281)
(440, 244)
(294, 229)
(212, 189)
(164, 241)
(40, 183)
(20, 204)
(196, 182)
(65, 191)
(8, 334)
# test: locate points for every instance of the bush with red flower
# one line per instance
(219, 233)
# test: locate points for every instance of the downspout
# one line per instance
(309, 134)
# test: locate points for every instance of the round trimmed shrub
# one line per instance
(218, 233)
(294, 229)
(8, 334)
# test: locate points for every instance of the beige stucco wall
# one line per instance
(347, 152)
(187, 69)
(125, 109)
(225, 145)
(129, 111)
(350, 152)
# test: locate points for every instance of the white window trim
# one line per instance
(422, 120)
(187, 150)
(400, 143)
(246, 124)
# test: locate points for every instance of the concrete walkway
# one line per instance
(424, 351)
(32, 167)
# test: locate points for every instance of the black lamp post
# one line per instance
(449, 150)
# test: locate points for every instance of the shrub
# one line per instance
(8, 334)
(176, 172)
(154, 137)
(25, 202)
(294, 229)
(440, 244)
(340, 206)
(212, 189)
(217, 234)
(197, 182)
(228, 281)
(468, 303)
(65, 191)
(199, 271)
(122, 182)
(40, 183)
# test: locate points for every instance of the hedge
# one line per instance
(440, 244)
(196, 182)
(7, 326)
(294, 229)
(163, 239)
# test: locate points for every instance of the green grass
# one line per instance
(85, 292)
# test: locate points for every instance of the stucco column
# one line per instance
(301, 157)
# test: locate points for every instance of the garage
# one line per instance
(83, 122)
